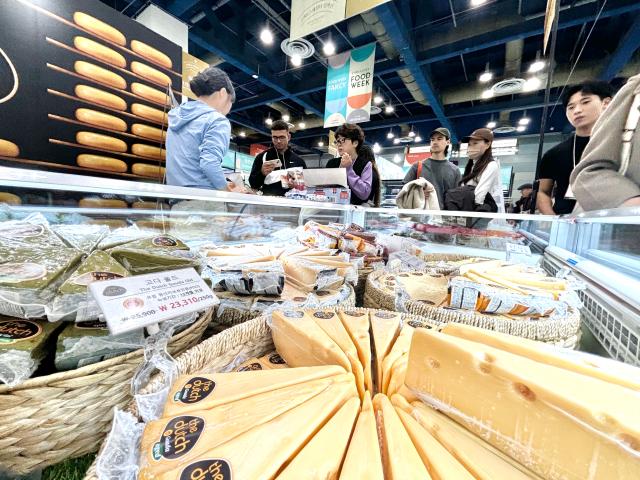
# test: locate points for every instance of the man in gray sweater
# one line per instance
(608, 176)
(437, 170)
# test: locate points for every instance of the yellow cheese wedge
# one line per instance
(384, 329)
(302, 343)
(357, 325)
(332, 326)
(399, 348)
(477, 456)
(273, 360)
(560, 419)
(205, 391)
(407, 394)
(399, 457)
(591, 365)
(260, 452)
(322, 456)
(440, 464)
(184, 437)
(363, 460)
(398, 372)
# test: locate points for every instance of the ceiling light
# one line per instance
(477, 3)
(243, 134)
(329, 48)
(412, 133)
(537, 66)
(485, 77)
(266, 36)
(521, 128)
(396, 141)
(254, 76)
(268, 121)
(377, 148)
(286, 117)
(296, 60)
(377, 100)
(487, 93)
(390, 135)
(491, 124)
(532, 84)
(302, 125)
(389, 109)
(418, 139)
(524, 121)
(321, 143)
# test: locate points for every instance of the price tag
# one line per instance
(135, 302)
(517, 248)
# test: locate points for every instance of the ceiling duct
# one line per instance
(504, 124)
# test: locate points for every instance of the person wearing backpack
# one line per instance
(437, 170)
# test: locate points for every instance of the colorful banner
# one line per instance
(349, 87)
(256, 148)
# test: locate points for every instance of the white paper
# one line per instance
(320, 177)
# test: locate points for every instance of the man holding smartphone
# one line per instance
(278, 157)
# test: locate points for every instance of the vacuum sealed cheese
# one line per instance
(155, 254)
(83, 237)
(261, 278)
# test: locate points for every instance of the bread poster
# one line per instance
(84, 90)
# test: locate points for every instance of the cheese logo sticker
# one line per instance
(164, 241)
(90, 277)
(91, 324)
(21, 272)
(355, 314)
(12, 331)
(195, 390)
(251, 367)
(276, 359)
(179, 437)
(323, 315)
(214, 469)
(384, 315)
(294, 314)
(114, 291)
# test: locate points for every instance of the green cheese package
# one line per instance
(156, 254)
(121, 236)
(72, 294)
(23, 345)
(84, 343)
(32, 232)
(83, 237)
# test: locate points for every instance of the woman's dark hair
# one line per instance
(475, 168)
(353, 132)
(212, 80)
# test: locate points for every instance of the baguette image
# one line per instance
(145, 170)
(10, 198)
(150, 93)
(101, 141)
(99, 28)
(150, 53)
(100, 97)
(92, 202)
(99, 74)
(99, 162)
(150, 73)
(101, 119)
(98, 50)
(149, 151)
(152, 133)
(149, 113)
(8, 149)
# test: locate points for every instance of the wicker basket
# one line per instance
(564, 332)
(252, 339)
(46, 420)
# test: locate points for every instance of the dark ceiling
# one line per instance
(446, 44)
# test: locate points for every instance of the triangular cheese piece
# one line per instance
(439, 462)
(398, 372)
(302, 343)
(399, 456)
(332, 326)
(322, 456)
(363, 460)
(400, 347)
(357, 324)
(554, 409)
(579, 362)
(205, 391)
(384, 329)
(262, 451)
(273, 360)
(408, 395)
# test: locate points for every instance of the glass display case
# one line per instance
(600, 248)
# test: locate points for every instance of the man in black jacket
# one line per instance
(278, 157)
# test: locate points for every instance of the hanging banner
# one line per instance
(417, 154)
(349, 87)
(354, 7)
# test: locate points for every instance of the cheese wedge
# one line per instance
(384, 329)
(322, 456)
(302, 343)
(591, 365)
(553, 421)
(407, 394)
(181, 438)
(251, 365)
(440, 464)
(399, 348)
(261, 452)
(477, 456)
(205, 391)
(357, 325)
(363, 460)
(273, 360)
(303, 271)
(332, 326)
(399, 457)
(398, 372)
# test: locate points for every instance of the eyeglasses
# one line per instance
(339, 141)
(279, 138)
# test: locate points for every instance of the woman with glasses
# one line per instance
(362, 173)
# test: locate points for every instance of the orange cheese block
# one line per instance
(149, 113)
(145, 170)
(150, 53)
(99, 28)
(148, 151)
(150, 73)
(99, 51)
(99, 162)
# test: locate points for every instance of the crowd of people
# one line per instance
(596, 167)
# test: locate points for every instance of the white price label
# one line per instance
(517, 248)
(135, 302)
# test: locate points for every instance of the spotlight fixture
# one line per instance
(377, 148)
(286, 117)
(396, 141)
(477, 3)
(532, 84)
(537, 66)
(521, 128)
(390, 135)
(418, 139)
(296, 60)
(377, 99)
(266, 36)
(242, 133)
(487, 93)
(302, 125)
(321, 143)
(389, 109)
(491, 125)
(524, 121)
(329, 48)
(485, 76)
(268, 121)
(412, 133)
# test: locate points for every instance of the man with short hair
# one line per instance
(278, 157)
(523, 205)
(437, 170)
(583, 105)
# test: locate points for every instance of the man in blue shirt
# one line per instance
(199, 133)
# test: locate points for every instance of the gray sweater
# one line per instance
(442, 174)
(596, 181)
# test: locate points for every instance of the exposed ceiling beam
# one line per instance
(628, 45)
(398, 32)
(180, 7)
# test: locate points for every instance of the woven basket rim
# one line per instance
(96, 367)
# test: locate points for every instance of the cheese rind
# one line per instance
(399, 348)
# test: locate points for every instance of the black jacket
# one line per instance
(256, 179)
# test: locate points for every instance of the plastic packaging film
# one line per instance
(119, 458)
